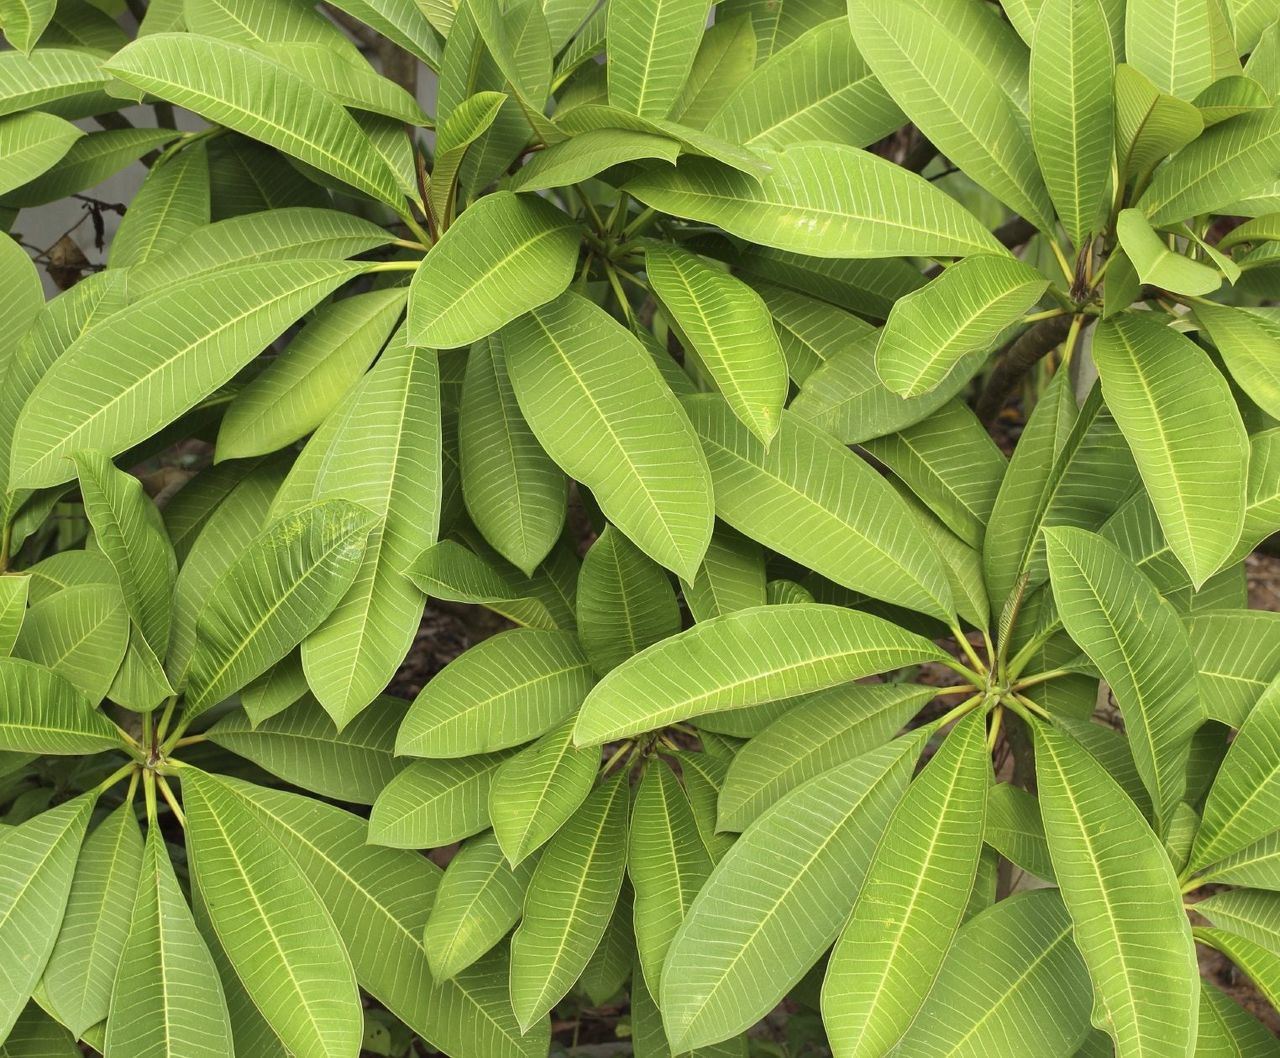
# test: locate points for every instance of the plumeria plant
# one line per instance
(693, 342)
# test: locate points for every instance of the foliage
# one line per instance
(721, 307)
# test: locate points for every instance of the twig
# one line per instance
(1019, 357)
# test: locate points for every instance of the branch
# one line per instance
(920, 153)
(1015, 232)
(1017, 358)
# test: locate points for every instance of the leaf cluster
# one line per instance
(674, 338)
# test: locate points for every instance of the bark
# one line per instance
(1019, 357)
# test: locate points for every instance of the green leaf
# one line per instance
(275, 690)
(731, 577)
(503, 692)
(228, 531)
(1250, 351)
(1014, 828)
(950, 462)
(1257, 963)
(92, 159)
(402, 21)
(469, 66)
(625, 602)
(1135, 638)
(779, 897)
(127, 529)
(251, 1032)
(172, 202)
(821, 199)
(961, 312)
(82, 967)
(846, 397)
(1012, 981)
(536, 791)
(1123, 898)
(514, 493)
(1226, 1030)
(1157, 264)
(69, 569)
(1251, 19)
(37, 863)
(818, 733)
(962, 563)
(1167, 396)
(1071, 467)
(463, 126)
(1072, 111)
(1230, 161)
(808, 497)
(1231, 97)
(598, 406)
(816, 88)
(1252, 914)
(283, 234)
(350, 80)
(590, 154)
(299, 486)
(41, 712)
(14, 590)
(241, 89)
(1237, 653)
(434, 802)
(652, 44)
(741, 659)
(1183, 48)
(725, 59)
(610, 965)
(703, 775)
(505, 255)
(1255, 865)
(302, 385)
(861, 286)
(167, 1000)
(46, 76)
(912, 899)
(1150, 124)
(1254, 232)
(1262, 506)
(30, 144)
(812, 332)
(23, 302)
(385, 455)
(275, 592)
(778, 24)
(81, 634)
(276, 932)
(1243, 800)
(480, 898)
(259, 22)
(728, 327)
(302, 747)
(25, 20)
(36, 1035)
(649, 1039)
(449, 571)
(380, 900)
(570, 899)
(667, 863)
(144, 366)
(519, 43)
(947, 86)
